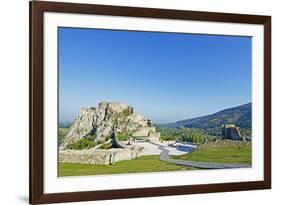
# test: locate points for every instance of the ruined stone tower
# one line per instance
(231, 132)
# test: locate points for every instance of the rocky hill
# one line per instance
(241, 116)
(100, 122)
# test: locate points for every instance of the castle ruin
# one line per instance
(231, 132)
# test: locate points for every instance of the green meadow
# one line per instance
(139, 165)
(221, 152)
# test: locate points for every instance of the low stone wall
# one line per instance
(97, 156)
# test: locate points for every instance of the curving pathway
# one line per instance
(164, 156)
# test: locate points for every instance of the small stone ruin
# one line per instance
(231, 132)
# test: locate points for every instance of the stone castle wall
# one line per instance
(97, 156)
(144, 132)
(154, 136)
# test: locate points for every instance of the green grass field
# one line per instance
(217, 152)
(138, 165)
(221, 152)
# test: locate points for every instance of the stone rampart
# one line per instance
(98, 156)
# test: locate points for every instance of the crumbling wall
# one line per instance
(98, 156)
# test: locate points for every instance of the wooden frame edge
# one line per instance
(36, 10)
(36, 103)
(267, 102)
(149, 192)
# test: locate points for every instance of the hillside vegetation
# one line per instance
(184, 134)
(241, 116)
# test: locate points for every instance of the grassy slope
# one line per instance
(222, 152)
(138, 165)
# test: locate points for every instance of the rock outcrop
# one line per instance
(101, 120)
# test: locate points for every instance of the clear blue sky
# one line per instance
(166, 77)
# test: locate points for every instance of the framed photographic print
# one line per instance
(138, 102)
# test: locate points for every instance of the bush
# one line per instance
(122, 137)
(107, 138)
(192, 135)
(100, 141)
(182, 134)
(126, 112)
(84, 143)
(106, 146)
(167, 137)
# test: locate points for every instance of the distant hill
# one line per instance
(240, 115)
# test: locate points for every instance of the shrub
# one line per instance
(84, 143)
(192, 135)
(167, 137)
(126, 112)
(182, 134)
(106, 146)
(122, 137)
(107, 138)
(100, 141)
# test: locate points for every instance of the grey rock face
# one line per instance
(101, 120)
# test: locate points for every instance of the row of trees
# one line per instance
(245, 131)
(183, 134)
